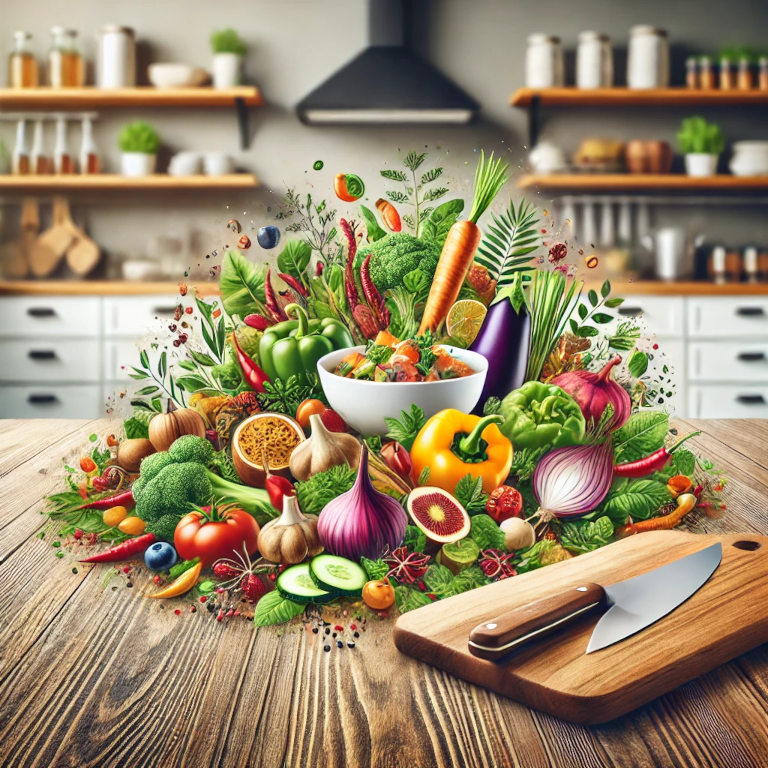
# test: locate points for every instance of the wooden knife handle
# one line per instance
(496, 637)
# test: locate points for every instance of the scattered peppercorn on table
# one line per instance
(93, 674)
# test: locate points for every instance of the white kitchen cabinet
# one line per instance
(733, 317)
(740, 361)
(134, 316)
(728, 401)
(48, 400)
(43, 317)
(51, 360)
(664, 315)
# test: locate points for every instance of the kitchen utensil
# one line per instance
(633, 605)
(15, 258)
(83, 254)
(49, 248)
(728, 616)
(116, 57)
(673, 249)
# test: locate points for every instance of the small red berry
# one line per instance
(225, 571)
(78, 534)
(253, 587)
(188, 310)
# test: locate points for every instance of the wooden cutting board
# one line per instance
(725, 618)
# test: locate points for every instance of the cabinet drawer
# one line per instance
(135, 315)
(61, 401)
(728, 401)
(728, 361)
(119, 357)
(663, 315)
(49, 360)
(728, 317)
(47, 316)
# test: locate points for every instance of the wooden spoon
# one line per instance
(49, 248)
(83, 254)
(16, 255)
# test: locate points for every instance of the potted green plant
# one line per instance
(138, 143)
(228, 50)
(701, 143)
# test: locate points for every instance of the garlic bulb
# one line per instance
(322, 450)
(290, 538)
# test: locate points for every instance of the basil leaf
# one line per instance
(408, 599)
(638, 499)
(643, 433)
(241, 284)
(469, 493)
(586, 535)
(605, 289)
(486, 534)
(273, 608)
(191, 383)
(294, 258)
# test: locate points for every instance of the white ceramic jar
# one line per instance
(594, 61)
(648, 58)
(116, 57)
(544, 65)
(750, 158)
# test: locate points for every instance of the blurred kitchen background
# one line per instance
(590, 102)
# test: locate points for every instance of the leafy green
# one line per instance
(415, 540)
(524, 461)
(638, 364)
(439, 580)
(374, 569)
(397, 254)
(638, 499)
(696, 135)
(227, 41)
(531, 558)
(470, 578)
(684, 462)
(294, 258)
(469, 493)
(642, 434)
(135, 428)
(626, 334)
(242, 285)
(323, 487)
(408, 598)
(285, 396)
(509, 241)
(273, 608)
(139, 137)
(373, 230)
(405, 429)
(486, 534)
(440, 221)
(586, 535)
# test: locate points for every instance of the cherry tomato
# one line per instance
(215, 532)
(114, 516)
(389, 214)
(397, 458)
(332, 421)
(348, 187)
(132, 525)
(87, 464)
(378, 595)
(307, 408)
(504, 502)
(112, 441)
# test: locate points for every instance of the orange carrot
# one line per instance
(459, 248)
(685, 503)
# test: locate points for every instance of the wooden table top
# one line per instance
(93, 675)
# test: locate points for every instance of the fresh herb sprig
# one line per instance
(284, 396)
(589, 311)
(405, 428)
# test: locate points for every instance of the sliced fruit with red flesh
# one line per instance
(438, 514)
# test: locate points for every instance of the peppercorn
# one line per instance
(326, 648)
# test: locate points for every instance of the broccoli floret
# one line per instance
(397, 254)
(191, 448)
(164, 527)
(173, 490)
(152, 464)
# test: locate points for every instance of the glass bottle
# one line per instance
(20, 151)
(706, 74)
(726, 75)
(763, 74)
(22, 65)
(40, 161)
(89, 154)
(744, 81)
(65, 64)
(62, 160)
(691, 73)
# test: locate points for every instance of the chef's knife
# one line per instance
(632, 604)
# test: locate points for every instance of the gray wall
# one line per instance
(295, 44)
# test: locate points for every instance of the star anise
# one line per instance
(496, 564)
(406, 567)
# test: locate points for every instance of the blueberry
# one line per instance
(160, 556)
(268, 237)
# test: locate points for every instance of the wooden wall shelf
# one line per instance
(620, 182)
(620, 97)
(105, 181)
(102, 287)
(141, 96)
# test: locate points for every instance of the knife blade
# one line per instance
(629, 606)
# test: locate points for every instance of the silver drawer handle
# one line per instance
(630, 311)
(750, 311)
(164, 310)
(42, 399)
(41, 312)
(41, 354)
(750, 399)
(751, 357)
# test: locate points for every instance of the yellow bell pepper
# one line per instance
(453, 444)
(183, 584)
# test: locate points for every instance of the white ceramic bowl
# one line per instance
(750, 158)
(364, 404)
(172, 75)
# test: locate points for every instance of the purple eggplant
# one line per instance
(503, 340)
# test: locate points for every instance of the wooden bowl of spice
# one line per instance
(270, 435)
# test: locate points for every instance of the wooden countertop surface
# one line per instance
(92, 674)
(205, 288)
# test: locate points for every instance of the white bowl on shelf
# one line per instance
(171, 75)
(750, 158)
(364, 404)
(184, 164)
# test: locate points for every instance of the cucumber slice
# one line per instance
(296, 584)
(337, 574)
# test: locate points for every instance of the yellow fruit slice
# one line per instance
(465, 318)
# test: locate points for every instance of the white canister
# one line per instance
(116, 57)
(648, 58)
(544, 65)
(594, 61)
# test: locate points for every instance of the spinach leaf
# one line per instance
(441, 220)
(586, 535)
(242, 285)
(638, 499)
(486, 534)
(273, 608)
(294, 258)
(643, 433)
(470, 494)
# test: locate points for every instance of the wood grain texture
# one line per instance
(115, 181)
(91, 676)
(617, 182)
(625, 97)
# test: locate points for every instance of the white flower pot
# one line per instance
(700, 164)
(226, 70)
(137, 164)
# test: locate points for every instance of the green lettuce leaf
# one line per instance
(439, 580)
(294, 258)
(408, 598)
(486, 534)
(374, 569)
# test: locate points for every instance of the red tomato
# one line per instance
(214, 532)
(340, 187)
(504, 502)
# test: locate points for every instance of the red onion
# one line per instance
(572, 481)
(593, 391)
(362, 522)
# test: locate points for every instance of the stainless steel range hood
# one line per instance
(387, 82)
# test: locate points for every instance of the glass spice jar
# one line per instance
(22, 64)
(744, 80)
(691, 73)
(706, 74)
(762, 78)
(726, 75)
(66, 68)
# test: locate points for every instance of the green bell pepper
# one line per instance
(539, 415)
(293, 347)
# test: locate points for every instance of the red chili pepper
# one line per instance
(372, 294)
(389, 214)
(124, 551)
(259, 322)
(649, 464)
(275, 310)
(254, 375)
(294, 283)
(319, 267)
(122, 499)
(276, 486)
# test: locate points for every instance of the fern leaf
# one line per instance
(435, 194)
(397, 197)
(393, 175)
(430, 176)
(413, 160)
